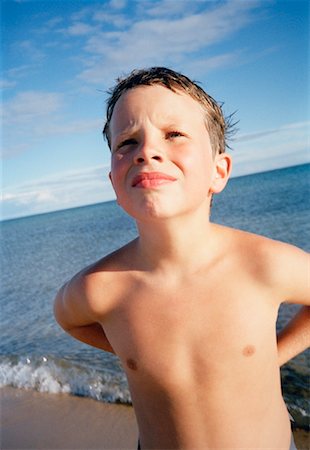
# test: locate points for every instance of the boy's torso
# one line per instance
(200, 355)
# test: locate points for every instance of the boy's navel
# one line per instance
(131, 363)
(249, 350)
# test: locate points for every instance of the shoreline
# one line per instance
(34, 420)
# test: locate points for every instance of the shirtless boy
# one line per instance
(189, 307)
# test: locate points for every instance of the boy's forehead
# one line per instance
(159, 92)
(170, 106)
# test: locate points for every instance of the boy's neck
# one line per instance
(178, 242)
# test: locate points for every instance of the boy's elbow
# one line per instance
(59, 309)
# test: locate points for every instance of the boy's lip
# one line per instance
(151, 179)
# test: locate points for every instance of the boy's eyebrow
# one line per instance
(168, 122)
(174, 124)
(128, 130)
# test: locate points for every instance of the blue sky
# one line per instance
(60, 57)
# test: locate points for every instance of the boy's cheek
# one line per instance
(111, 180)
(118, 177)
(116, 168)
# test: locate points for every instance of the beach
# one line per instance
(33, 420)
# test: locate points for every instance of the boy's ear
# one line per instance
(222, 170)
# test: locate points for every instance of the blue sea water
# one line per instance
(39, 253)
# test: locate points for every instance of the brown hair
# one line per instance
(217, 125)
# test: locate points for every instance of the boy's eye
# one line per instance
(173, 134)
(126, 142)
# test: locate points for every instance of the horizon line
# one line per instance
(113, 199)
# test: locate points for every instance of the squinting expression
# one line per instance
(162, 163)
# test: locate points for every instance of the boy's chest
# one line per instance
(205, 318)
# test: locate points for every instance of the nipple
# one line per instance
(249, 350)
(131, 363)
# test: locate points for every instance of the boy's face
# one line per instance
(162, 163)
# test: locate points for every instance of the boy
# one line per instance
(189, 306)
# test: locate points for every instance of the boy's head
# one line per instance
(215, 122)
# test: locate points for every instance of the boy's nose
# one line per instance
(146, 154)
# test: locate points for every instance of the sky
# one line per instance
(60, 57)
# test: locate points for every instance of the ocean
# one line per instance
(39, 253)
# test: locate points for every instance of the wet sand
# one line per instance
(31, 420)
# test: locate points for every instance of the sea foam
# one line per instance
(46, 374)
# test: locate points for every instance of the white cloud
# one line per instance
(270, 149)
(59, 191)
(168, 8)
(12, 149)
(29, 48)
(6, 84)
(304, 128)
(117, 4)
(15, 75)
(32, 116)
(111, 18)
(79, 29)
(30, 105)
(202, 66)
(34, 197)
(164, 41)
(82, 14)
(25, 118)
(79, 126)
(19, 71)
(53, 22)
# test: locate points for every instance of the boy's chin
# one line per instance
(149, 213)
(147, 210)
(158, 211)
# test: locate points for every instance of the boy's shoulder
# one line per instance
(118, 262)
(101, 282)
(245, 240)
(262, 249)
(278, 265)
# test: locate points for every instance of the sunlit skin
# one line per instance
(189, 307)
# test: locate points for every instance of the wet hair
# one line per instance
(217, 125)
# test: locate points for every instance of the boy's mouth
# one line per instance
(151, 179)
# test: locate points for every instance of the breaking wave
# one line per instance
(51, 375)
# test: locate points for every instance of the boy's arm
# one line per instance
(75, 314)
(295, 337)
(292, 276)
